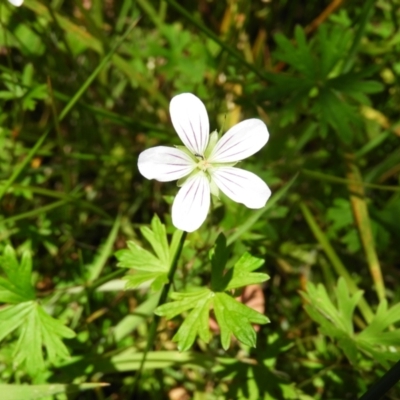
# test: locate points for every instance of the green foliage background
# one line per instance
(85, 87)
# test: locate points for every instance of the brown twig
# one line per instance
(331, 8)
(314, 25)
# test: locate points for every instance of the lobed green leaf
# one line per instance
(235, 318)
(147, 266)
(196, 323)
(157, 237)
(241, 272)
(16, 286)
(184, 302)
(38, 330)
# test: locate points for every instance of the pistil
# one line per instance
(203, 165)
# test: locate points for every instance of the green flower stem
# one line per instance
(156, 319)
(335, 260)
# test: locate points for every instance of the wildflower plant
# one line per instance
(195, 297)
(205, 165)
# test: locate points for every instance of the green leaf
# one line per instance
(12, 317)
(285, 85)
(135, 257)
(106, 249)
(383, 338)
(349, 347)
(332, 45)
(306, 58)
(219, 257)
(337, 323)
(353, 83)
(33, 392)
(235, 318)
(382, 319)
(241, 272)
(196, 323)
(374, 337)
(184, 301)
(299, 57)
(239, 275)
(157, 280)
(335, 111)
(38, 330)
(347, 304)
(157, 237)
(147, 266)
(340, 317)
(16, 287)
(334, 322)
(378, 353)
(325, 325)
(313, 82)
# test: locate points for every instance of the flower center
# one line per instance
(202, 164)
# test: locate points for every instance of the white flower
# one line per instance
(16, 3)
(206, 163)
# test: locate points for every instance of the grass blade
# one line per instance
(362, 220)
(65, 111)
(258, 214)
(335, 260)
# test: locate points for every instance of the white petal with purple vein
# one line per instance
(240, 142)
(165, 164)
(241, 186)
(191, 204)
(190, 120)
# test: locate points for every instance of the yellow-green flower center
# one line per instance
(203, 165)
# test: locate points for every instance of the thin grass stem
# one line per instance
(363, 222)
(337, 264)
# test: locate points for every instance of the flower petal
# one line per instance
(191, 204)
(241, 186)
(165, 164)
(16, 3)
(240, 142)
(190, 120)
